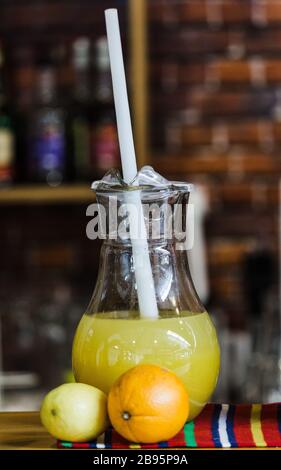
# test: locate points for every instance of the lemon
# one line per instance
(75, 412)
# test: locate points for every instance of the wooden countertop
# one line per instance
(23, 430)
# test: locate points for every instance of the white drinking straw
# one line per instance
(144, 279)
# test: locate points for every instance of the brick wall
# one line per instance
(215, 114)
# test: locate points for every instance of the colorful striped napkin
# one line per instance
(217, 426)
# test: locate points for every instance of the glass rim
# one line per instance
(102, 187)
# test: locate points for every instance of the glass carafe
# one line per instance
(112, 335)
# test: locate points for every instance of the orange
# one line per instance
(148, 404)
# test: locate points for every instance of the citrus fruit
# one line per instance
(148, 404)
(75, 412)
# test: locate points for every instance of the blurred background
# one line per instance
(205, 87)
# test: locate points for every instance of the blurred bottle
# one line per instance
(7, 137)
(197, 256)
(81, 109)
(23, 62)
(59, 58)
(47, 131)
(23, 78)
(105, 148)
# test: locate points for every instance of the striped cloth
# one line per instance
(217, 426)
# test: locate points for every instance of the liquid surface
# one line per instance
(104, 348)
